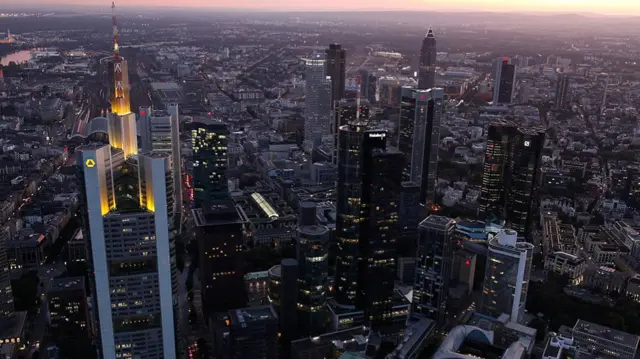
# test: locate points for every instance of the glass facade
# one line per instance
(209, 162)
(507, 274)
(435, 246)
(313, 259)
(510, 180)
(369, 185)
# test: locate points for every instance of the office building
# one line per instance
(369, 185)
(336, 66)
(132, 254)
(368, 85)
(510, 181)
(433, 268)
(346, 111)
(160, 133)
(504, 81)
(287, 306)
(427, 70)
(596, 341)
(253, 333)
(562, 90)
(219, 234)
(419, 137)
(506, 279)
(313, 260)
(209, 161)
(68, 307)
(410, 217)
(318, 105)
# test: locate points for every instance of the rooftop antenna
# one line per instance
(116, 49)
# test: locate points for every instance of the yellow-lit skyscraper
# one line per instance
(128, 232)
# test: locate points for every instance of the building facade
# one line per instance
(419, 137)
(433, 269)
(318, 105)
(506, 279)
(219, 233)
(336, 67)
(504, 81)
(510, 180)
(209, 161)
(132, 254)
(427, 71)
(369, 185)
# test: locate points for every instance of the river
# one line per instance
(17, 57)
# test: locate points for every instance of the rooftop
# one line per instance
(252, 314)
(66, 284)
(619, 337)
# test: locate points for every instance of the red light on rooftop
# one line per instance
(505, 59)
(467, 262)
(422, 96)
(143, 113)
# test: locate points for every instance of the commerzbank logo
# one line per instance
(90, 163)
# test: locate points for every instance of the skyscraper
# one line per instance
(313, 259)
(504, 81)
(419, 137)
(433, 268)
(410, 216)
(336, 65)
(506, 279)
(253, 333)
(427, 70)
(219, 234)
(347, 111)
(209, 161)
(318, 106)
(510, 175)
(7, 309)
(160, 133)
(369, 183)
(132, 258)
(562, 90)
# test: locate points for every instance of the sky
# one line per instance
(609, 7)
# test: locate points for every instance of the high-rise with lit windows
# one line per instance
(160, 133)
(367, 228)
(419, 137)
(506, 279)
(132, 255)
(219, 234)
(510, 180)
(433, 268)
(209, 161)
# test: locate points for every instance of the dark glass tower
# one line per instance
(336, 62)
(562, 90)
(419, 137)
(510, 176)
(433, 268)
(313, 259)
(369, 185)
(427, 71)
(219, 237)
(209, 162)
(504, 80)
(346, 111)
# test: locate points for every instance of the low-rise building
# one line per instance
(565, 264)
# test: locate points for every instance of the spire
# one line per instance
(116, 49)
(430, 33)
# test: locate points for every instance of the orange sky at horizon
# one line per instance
(622, 7)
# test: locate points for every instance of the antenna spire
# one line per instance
(116, 49)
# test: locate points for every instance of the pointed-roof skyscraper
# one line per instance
(427, 71)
